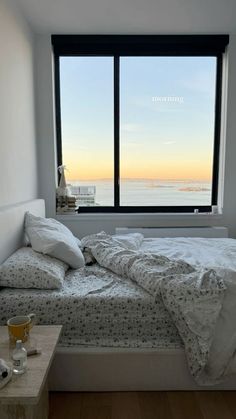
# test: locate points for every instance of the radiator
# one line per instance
(210, 232)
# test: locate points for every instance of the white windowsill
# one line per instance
(138, 216)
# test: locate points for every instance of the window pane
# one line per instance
(167, 108)
(86, 88)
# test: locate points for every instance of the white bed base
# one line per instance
(118, 369)
(103, 369)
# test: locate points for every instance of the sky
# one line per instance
(166, 117)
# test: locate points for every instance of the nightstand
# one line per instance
(26, 395)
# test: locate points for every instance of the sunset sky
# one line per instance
(159, 139)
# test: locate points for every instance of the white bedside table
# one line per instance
(26, 395)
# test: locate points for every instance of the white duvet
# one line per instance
(203, 306)
(219, 254)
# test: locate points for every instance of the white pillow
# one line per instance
(50, 237)
(28, 269)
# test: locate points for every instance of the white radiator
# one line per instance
(211, 232)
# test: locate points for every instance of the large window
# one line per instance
(138, 120)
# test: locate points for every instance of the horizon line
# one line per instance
(142, 178)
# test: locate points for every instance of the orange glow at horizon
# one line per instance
(175, 171)
(95, 164)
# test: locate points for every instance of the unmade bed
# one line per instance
(100, 309)
(112, 325)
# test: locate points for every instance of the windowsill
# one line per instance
(138, 216)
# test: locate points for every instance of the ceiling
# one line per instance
(130, 16)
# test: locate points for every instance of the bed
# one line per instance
(117, 338)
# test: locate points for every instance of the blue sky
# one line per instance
(170, 137)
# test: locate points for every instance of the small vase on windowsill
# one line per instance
(62, 192)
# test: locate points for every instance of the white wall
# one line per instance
(83, 224)
(18, 158)
(46, 137)
(230, 154)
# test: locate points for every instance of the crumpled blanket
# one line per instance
(192, 295)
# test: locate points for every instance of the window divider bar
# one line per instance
(116, 131)
(215, 170)
(58, 113)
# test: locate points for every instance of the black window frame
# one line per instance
(141, 45)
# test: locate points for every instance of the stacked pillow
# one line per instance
(54, 249)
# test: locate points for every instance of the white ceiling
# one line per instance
(130, 16)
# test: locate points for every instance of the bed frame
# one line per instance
(103, 369)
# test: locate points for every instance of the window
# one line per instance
(138, 120)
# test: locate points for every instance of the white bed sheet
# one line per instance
(211, 253)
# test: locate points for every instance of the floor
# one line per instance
(143, 405)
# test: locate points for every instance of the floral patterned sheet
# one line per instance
(192, 294)
(97, 308)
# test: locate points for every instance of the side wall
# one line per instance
(85, 224)
(18, 159)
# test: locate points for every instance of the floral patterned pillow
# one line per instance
(28, 269)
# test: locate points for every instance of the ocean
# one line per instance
(151, 192)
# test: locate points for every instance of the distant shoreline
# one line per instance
(142, 180)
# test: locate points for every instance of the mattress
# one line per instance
(97, 309)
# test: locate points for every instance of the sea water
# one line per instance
(151, 192)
